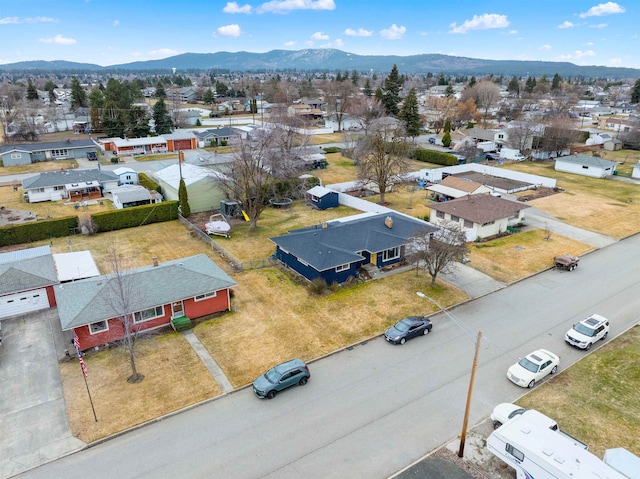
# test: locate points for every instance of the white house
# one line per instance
(69, 185)
(128, 176)
(586, 165)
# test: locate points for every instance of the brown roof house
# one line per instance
(480, 216)
(453, 187)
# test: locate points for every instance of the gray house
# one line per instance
(586, 165)
(55, 150)
(69, 185)
(336, 250)
(215, 136)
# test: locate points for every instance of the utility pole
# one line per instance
(465, 422)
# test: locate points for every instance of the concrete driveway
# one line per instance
(33, 416)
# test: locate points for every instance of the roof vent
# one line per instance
(388, 222)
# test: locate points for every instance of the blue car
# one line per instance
(408, 328)
(282, 376)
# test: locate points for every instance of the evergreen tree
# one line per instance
(50, 87)
(442, 80)
(378, 94)
(530, 84)
(472, 82)
(555, 83)
(78, 95)
(355, 77)
(367, 88)
(446, 137)
(161, 118)
(160, 92)
(449, 91)
(32, 93)
(208, 98)
(410, 115)
(183, 199)
(635, 92)
(514, 86)
(391, 92)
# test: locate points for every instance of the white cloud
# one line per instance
(601, 9)
(394, 32)
(116, 23)
(162, 53)
(599, 25)
(615, 62)
(233, 7)
(545, 48)
(512, 32)
(290, 44)
(481, 22)
(8, 20)
(577, 54)
(232, 30)
(58, 40)
(319, 36)
(286, 6)
(567, 24)
(588, 44)
(360, 32)
(338, 42)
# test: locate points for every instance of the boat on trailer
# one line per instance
(217, 225)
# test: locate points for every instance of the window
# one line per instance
(200, 297)
(58, 188)
(585, 167)
(489, 223)
(468, 224)
(455, 219)
(303, 262)
(58, 153)
(391, 254)
(440, 214)
(519, 455)
(98, 327)
(15, 156)
(314, 198)
(148, 314)
(342, 267)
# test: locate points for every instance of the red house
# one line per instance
(148, 297)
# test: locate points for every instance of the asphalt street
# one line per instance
(370, 410)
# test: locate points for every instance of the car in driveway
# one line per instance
(408, 328)
(505, 411)
(280, 377)
(92, 156)
(533, 368)
(584, 334)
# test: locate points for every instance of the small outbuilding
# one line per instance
(203, 190)
(126, 196)
(128, 176)
(586, 165)
(323, 198)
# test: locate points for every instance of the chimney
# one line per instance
(324, 225)
(155, 260)
(388, 222)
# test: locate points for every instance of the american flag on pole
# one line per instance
(83, 366)
(76, 342)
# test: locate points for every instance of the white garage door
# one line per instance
(21, 303)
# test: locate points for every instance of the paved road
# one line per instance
(369, 411)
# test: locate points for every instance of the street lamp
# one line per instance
(465, 422)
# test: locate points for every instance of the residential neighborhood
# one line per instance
(235, 227)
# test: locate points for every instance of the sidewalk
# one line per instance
(208, 361)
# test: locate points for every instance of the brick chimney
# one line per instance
(388, 222)
(155, 260)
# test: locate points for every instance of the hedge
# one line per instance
(37, 230)
(332, 149)
(435, 157)
(148, 183)
(136, 216)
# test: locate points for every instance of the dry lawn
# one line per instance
(522, 254)
(38, 167)
(605, 206)
(326, 138)
(277, 319)
(596, 399)
(174, 378)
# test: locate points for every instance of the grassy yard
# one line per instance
(517, 256)
(39, 167)
(596, 400)
(605, 206)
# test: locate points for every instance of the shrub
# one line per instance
(148, 183)
(318, 286)
(332, 149)
(39, 230)
(435, 157)
(136, 216)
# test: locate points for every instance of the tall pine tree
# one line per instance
(391, 92)
(410, 115)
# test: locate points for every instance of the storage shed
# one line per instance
(323, 198)
(586, 165)
(202, 185)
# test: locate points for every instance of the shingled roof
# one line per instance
(27, 269)
(59, 178)
(480, 209)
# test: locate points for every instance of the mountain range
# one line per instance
(336, 60)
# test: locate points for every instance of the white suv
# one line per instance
(587, 332)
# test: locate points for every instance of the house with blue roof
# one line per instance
(69, 185)
(25, 154)
(335, 250)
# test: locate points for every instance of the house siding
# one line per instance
(51, 296)
(585, 170)
(330, 276)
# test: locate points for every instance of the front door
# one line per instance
(177, 309)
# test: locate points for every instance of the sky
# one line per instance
(111, 32)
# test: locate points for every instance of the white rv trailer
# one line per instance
(537, 452)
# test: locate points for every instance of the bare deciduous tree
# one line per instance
(485, 94)
(338, 96)
(383, 161)
(436, 251)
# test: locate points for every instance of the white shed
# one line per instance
(586, 165)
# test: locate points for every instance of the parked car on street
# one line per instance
(533, 368)
(282, 376)
(408, 328)
(585, 333)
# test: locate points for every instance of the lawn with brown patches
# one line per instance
(595, 399)
(174, 378)
(38, 167)
(604, 206)
(277, 319)
(522, 254)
